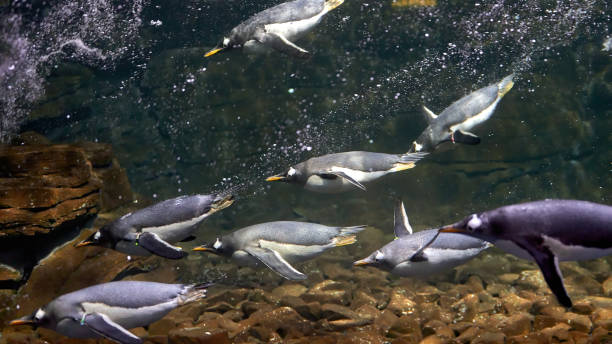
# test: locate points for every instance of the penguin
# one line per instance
(340, 172)
(152, 230)
(454, 123)
(397, 257)
(547, 232)
(107, 310)
(277, 27)
(279, 244)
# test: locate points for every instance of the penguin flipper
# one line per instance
(465, 137)
(154, 244)
(282, 44)
(430, 116)
(401, 226)
(342, 174)
(105, 327)
(549, 265)
(276, 262)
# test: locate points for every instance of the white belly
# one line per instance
(295, 253)
(438, 261)
(568, 253)
(510, 247)
(132, 317)
(318, 184)
(474, 121)
(296, 29)
(244, 259)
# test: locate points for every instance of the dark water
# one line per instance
(133, 74)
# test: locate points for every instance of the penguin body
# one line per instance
(277, 27)
(455, 122)
(398, 256)
(340, 172)
(546, 232)
(109, 309)
(281, 243)
(152, 230)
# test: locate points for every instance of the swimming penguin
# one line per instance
(280, 244)
(397, 257)
(341, 172)
(277, 27)
(454, 123)
(546, 232)
(108, 310)
(152, 230)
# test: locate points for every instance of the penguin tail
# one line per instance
(345, 231)
(408, 161)
(505, 85)
(331, 4)
(194, 292)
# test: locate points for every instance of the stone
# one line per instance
(578, 322)
(600, 301)
(439, 328)
(289, 289)
(328, 291)
(432, 339)
(384, 320)
(406, 325)
(508, 278)
(400, 303)
(198, 335)
(559, 332)
(332, 311)
(283, 320)
(583, 307)
(606, 287)
(513, 303)
(8, 273)
(335, 271)
(516, 324)
(162, 326)
(469, 334)
(361, 298)
(602, 317)
(531, 279)
(490, 338)
(466, 308)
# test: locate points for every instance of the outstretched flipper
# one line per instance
(282, 44)
(549, 265)
(154, 244)
(464, 137)
(343, 175)
(430, 116)
(276, 262)
(401, 226)
(105, 327)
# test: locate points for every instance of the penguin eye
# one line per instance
(217, 245)
(40, 314)
(379, 256)
(474, 223)
(226, 42)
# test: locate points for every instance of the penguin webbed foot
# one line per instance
(105, 327)
(154, 244)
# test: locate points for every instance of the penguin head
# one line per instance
(292, 175)
(102, 237)
(225, 44)
(377, 259)
(41, 317)
(217, 247)
(476, 225)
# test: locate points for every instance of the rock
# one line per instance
(578, 322)
(162, 326)
(283, 320)
(469, 334)
(603, 318)
(361, 298)
(606, 287)
(516, 324)
(406, 325)
(532, 279)
(466, 308)
(508, 278)
(45, 186)
(335, 271)
(400, 303)
(231, 296)
(432, 339)
(332, 311)
(383, 320)
(328, 291)
(513, 303)
(541, 322)
(439, 328)
(8, 273)
(197, 335)
(289, 289)
(489, 338)
(599, 301)
(559, 332)
(583, 307)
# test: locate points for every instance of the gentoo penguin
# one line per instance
(344, 171)
(397, 257)
(546, 232)
(152, 230)
(454, 123)
(280, 244)
(277, 27)
(108, 310)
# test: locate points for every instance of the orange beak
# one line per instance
(361, 263)
(84, 243)
(451, 229)
(274, 178)
(212, 52)
(201, 248)
(21, 322)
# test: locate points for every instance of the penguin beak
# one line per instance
(84, 243)
(278, 177)
(212, 52)
(22, 321)
(451, 229)
(204, 248)
(223, 203)
(362, 262)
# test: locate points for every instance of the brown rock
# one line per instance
(406, 325)
(8, 273)
(333, 311)
(583, 307)
(231, 296)
(162, 326)
(198, 335)
(466, 308)
(489, 338)
(578, 322)
(328, 291)
(559, 332)
(400, 303)
(602, 317)
(384, 321)
(432, 339)
(579, 337)
(541, 322)
(606, 287)
(335, 271)
(469, 334)
(250, 307)
(283, 320)
(289, 289)
(513, 303)
(439, 328)
(531, 279)
(599, 301)
(361, 298)
(234, 315)
(508, 278)
(517, 324)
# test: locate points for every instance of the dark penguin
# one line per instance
(398, 256)
(341, 172)
(546, 232)
(277, 27)
(108, 310)
(280, 244)
(455, 122)
(152, 230)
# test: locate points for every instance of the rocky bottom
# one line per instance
(496, 298)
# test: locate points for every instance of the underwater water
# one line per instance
(133, 74)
